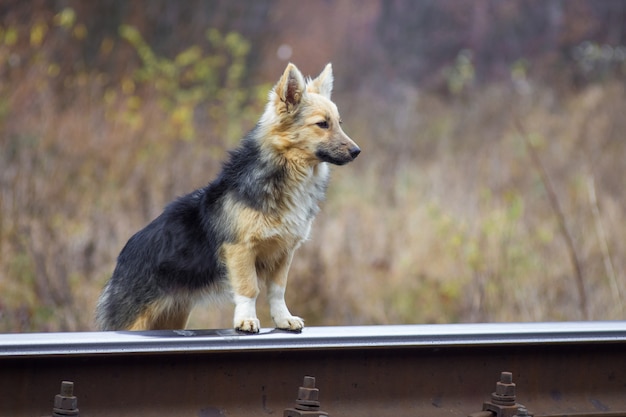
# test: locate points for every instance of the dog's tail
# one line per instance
(113, 311)
(104, 320)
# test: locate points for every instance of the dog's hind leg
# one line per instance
(163, 315)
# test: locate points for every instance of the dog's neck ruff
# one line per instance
(300, 190)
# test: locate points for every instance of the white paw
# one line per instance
(292, 323)
(251, 325)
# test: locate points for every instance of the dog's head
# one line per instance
(303, 124)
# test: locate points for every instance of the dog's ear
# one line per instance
(290, 87)
(323, 84)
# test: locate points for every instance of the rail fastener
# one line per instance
(308, 403)
(65, 403)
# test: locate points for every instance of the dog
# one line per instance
(243, 228)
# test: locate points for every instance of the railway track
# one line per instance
(478, 370)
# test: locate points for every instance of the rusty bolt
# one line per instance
(505, 390)
(502, 402)
(307, 403)
(308, 395)
(65, 403)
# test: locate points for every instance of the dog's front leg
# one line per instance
(245, 319)
(277, 284)
(240, 264)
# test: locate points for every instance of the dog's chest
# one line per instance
(288, 220)
(296, 210)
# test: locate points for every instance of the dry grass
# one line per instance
(443, 218)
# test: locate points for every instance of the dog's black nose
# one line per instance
(354, 152)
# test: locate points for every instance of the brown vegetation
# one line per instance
(448, 215)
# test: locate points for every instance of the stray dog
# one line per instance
(242, 228)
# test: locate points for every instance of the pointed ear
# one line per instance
(323, 84)
(290, 87)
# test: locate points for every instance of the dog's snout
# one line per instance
(355, 151)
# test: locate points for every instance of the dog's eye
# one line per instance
(323, 125)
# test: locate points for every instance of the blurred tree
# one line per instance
(419, 38)
(168, 27)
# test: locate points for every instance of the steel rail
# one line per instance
(559, 369)
(428, 336)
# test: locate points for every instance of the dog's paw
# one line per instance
(293, 323)
(251, 325)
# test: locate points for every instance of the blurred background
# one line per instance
(490, 187)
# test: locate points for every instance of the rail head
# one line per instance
(312, 338)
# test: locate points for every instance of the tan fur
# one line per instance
(264, 243)
(240, 262)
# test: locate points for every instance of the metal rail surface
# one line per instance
(557, 369)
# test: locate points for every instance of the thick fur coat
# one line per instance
(241, 229)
